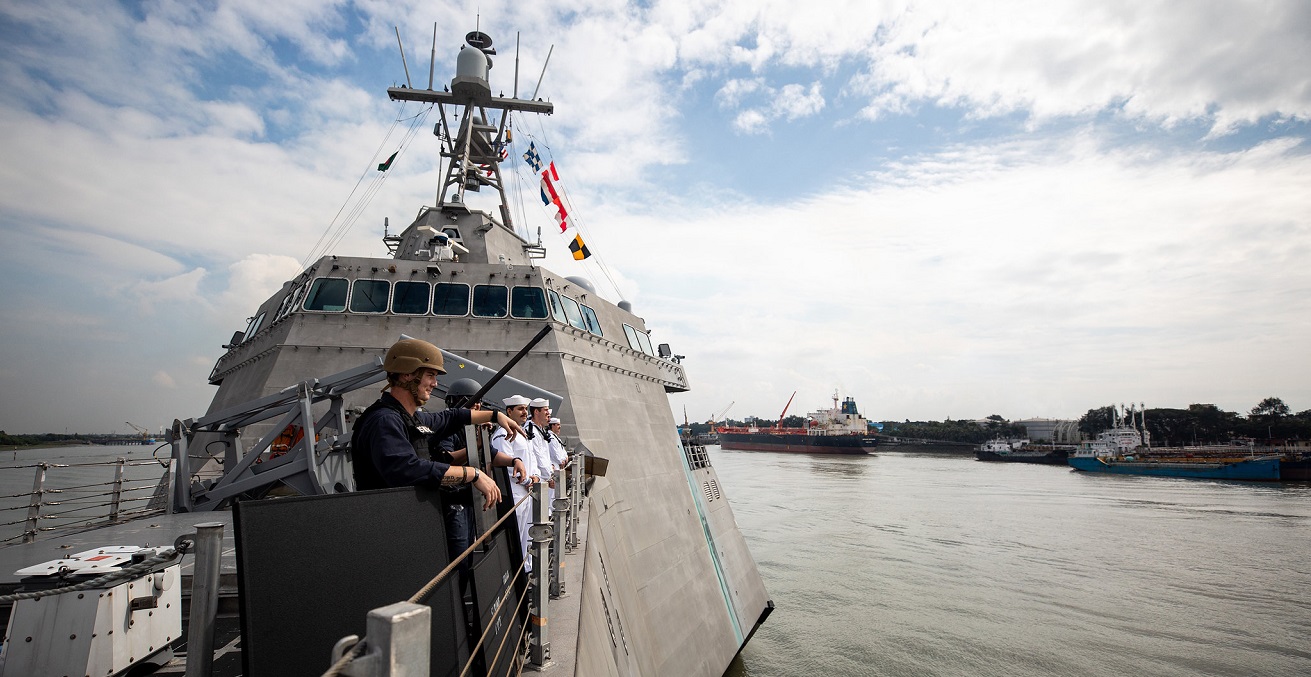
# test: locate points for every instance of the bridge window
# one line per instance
(449, 298)
(370, 296)
(255, 323)
(327, 295)
(289, 302)
(490, 300)
(589, 318)
(572, 311)
(638, 340)
(410, 298)
(557, 308)
(527, 302)
(645, 340)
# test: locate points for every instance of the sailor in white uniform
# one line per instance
(539, 411)
(559, 456)
(519, 447)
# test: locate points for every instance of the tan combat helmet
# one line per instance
(410, 355)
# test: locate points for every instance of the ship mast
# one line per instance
(473, 147)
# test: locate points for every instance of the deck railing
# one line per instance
(52, 508)
(398, 634)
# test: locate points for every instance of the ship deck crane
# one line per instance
(779, 424)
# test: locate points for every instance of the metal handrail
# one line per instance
(571, 488)
(80, 498)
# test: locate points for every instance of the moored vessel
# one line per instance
(1125, 449)
(839, 430)
(1260, 468)
(1021, 451)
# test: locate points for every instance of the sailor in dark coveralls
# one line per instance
(390, 433)
(452, 449)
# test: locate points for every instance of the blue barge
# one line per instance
(1262, 469)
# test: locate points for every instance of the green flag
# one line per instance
(387, 165)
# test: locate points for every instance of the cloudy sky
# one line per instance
(1018, 208)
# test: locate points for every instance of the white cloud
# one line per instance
(211, 145)
(1073, 274)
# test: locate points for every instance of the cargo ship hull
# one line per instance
(1254, 469)
(799, 444)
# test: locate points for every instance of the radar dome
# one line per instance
(626, 306)
(472, 64)
(582, 282)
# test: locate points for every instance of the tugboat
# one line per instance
(840, 430)
(668, 585)
(1021, 451)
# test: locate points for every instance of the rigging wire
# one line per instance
(338, 227)
(312, 253)
(376, 185)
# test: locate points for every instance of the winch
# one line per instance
(97, 612)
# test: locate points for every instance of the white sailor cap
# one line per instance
(515, 401)
(539, 403)
(553, 421)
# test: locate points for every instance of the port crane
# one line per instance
(145, 434)
(720, 414)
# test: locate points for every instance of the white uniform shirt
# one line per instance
(541, 451)
(519, 447)
(558, 454)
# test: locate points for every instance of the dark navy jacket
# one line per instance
(385, 439)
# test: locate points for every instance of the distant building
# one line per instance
(1051, 430)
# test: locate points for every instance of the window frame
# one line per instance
(555, 306)
(591, 320)
(468, 299)
(545, 303)
(325, 280)
(386, 302)
(427, 301)
(580, 323)
(256, 323)
(473, 301)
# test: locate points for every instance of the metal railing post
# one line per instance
(566, 475)
(399, 643)
(204, 599)
(539, 646)
(576, 495)
(34, 507)
(559, 510)
(116, 497)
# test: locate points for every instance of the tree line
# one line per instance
(1271, 420)
(7, 440)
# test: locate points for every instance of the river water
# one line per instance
(936, 564)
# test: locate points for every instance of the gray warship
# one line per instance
(678, 580)
(667, 586)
